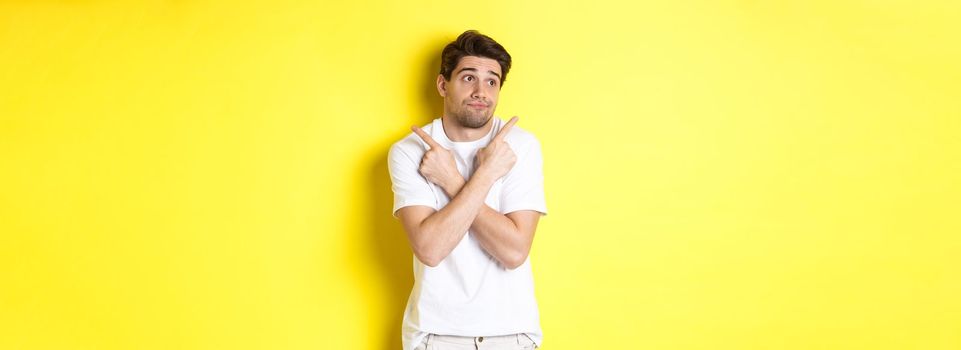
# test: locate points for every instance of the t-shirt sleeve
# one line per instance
(409, 186)
(524, 184)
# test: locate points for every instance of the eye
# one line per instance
(468, 78)
(492, 83)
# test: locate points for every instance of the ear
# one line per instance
(441, 85)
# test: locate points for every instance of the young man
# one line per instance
(468, 189)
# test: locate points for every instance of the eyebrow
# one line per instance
(475, 69)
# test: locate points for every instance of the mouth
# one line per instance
(478, 105)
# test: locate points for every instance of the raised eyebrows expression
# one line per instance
(475, 70)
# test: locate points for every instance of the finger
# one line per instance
(423, 136)
(505, 129)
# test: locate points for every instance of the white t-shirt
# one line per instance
(469, 293)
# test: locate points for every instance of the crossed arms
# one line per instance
(433, 234)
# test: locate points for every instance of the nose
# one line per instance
(477, 92)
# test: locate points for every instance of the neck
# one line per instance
(457, 133)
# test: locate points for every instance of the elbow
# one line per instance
(423, 249)
(428, 260)
(514, 261)
(428, 255)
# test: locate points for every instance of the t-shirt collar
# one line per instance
(438, 133)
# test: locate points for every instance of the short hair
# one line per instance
(473, 43)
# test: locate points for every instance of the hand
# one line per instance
(438, 165)
(497, 158)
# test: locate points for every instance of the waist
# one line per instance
(519, 338)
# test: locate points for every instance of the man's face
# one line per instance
(471, 94)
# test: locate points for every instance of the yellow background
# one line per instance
(719, 175)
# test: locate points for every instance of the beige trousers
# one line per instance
(518, 341)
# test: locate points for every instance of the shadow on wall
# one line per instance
(388, 241)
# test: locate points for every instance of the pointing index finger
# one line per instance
(505, 129)
(423, 136)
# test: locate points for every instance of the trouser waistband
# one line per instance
(454, 339)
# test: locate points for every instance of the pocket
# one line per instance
(423, 344)
(527, 342)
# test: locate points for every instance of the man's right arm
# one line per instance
(434, 234)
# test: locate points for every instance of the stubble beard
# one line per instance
(472, 120)
(469, 118)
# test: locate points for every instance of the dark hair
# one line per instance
(472, 43)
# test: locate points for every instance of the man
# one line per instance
(468, 189)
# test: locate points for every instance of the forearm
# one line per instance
(495, 232)
(499, 237)
(446, 227)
